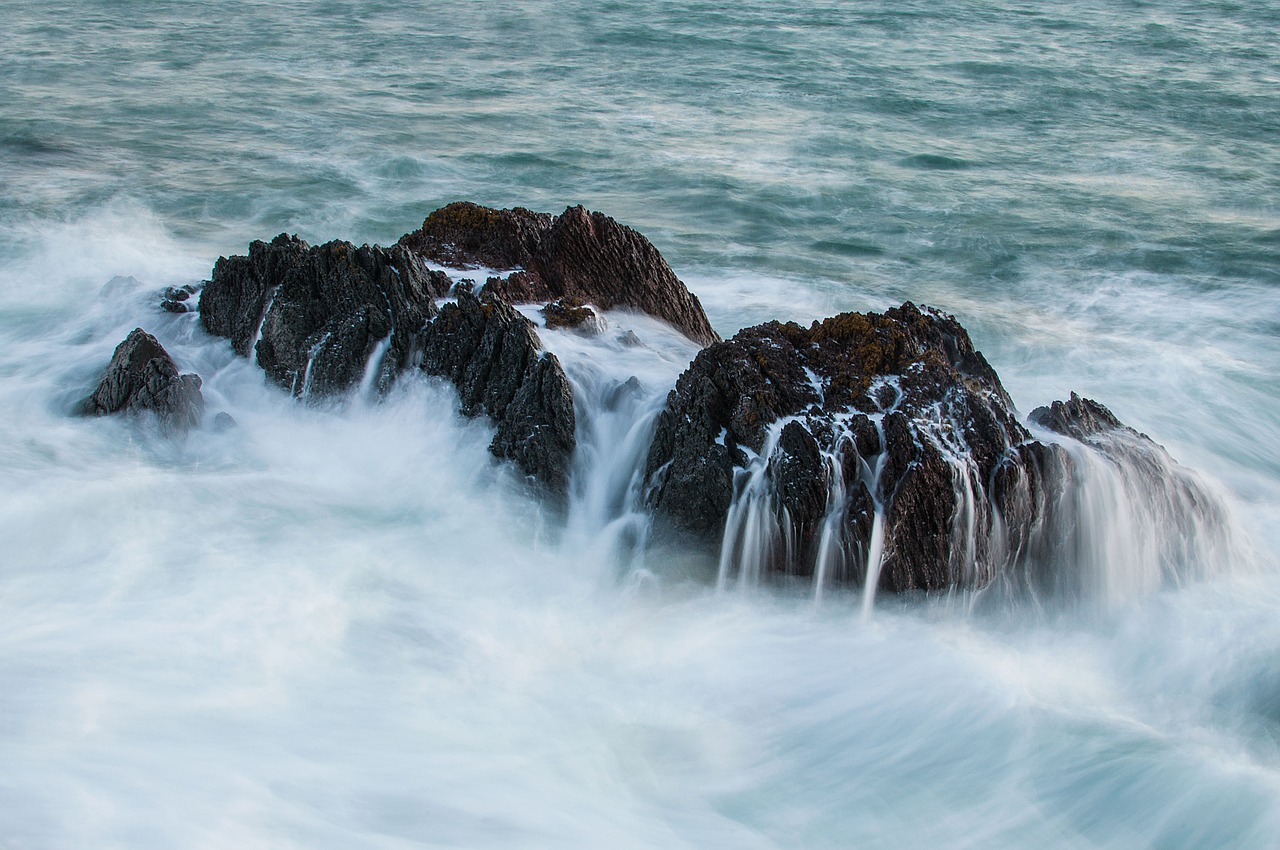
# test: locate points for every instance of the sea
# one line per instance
(346, 625)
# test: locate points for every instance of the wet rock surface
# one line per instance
(142, 378)
(492, 355)
(578, 254)
(865, 414)
(571, 314)
(865, 448)
(177, 299)
(312, 317)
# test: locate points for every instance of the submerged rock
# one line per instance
(574, 315)
(314, 316)
(142, 377)
(578, 254)
(492, 355)
(870, 447)
(177, 299)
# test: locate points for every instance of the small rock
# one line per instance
(143, 377)
(574, 315)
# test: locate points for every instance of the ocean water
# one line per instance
(346, 626)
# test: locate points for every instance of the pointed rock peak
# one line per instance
(143, 377)
(578, 254)
(1077, 417)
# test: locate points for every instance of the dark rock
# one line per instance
(1078, 417)
(913, 371)
(574, 315)
(579, 254)
(315, 315)
(177, 299)
(142, 377)
(823, 430)
(464, 234)
(800, 473)
(492, 355)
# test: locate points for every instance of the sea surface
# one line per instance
(346, 626)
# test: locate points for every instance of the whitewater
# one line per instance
(346, 625)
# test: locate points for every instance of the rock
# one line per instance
(883, 447)
(464, 234)
(177, 299)
(314, 316)
(492, 355)
(579, 254)
(911, 416)
(224, 422)
(571, 314)
(142, 377)
(1078, 417)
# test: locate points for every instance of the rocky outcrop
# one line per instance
(142, 378)
(857, 414)
(1081, 418)
(492, 355)
(578, 254)
(883, 448)
(314, 316)
(464, 234)
(318, 319)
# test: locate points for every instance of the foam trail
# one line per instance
(619, 388)
(252, 351)
(373, 367)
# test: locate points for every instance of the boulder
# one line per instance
(142, 377)
(882, 448)
(314, 316)
(177, 299)
(464, 234)
(571, 314)
(859, 414)
(578, 254)
(492, 355)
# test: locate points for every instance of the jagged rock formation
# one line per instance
(492, 355)
(881, 444)
(313, 317)
(865, 448)
(578, 254)
(319, 318)
(142, 377)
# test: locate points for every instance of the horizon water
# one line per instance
(345, 625)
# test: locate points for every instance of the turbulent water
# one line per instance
(347, 626)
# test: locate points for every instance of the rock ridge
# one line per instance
(581, 255)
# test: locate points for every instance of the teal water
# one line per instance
(326, 630)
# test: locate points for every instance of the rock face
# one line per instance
(853, 416)
(492, 355)
(578, 254)
(866, 449)
(142, 377)
(320, 318)
(314, 316)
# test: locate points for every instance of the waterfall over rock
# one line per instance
(871, 450)
(882, 451)
(312, 316)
